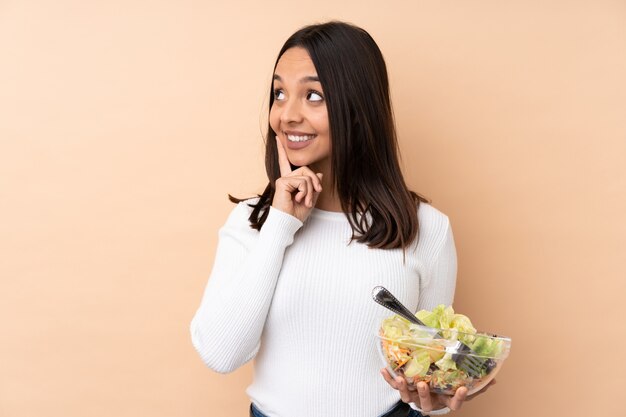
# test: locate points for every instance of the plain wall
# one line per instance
(124, 124)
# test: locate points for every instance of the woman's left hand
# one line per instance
(426, 400)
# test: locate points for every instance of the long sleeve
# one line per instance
(297, 298)
(440, 281)
(227, 327)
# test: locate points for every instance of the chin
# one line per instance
(300, 162)
(297, 158)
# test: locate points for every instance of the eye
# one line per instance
(314, 96)
(278, 94)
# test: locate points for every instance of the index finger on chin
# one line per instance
(283, 161)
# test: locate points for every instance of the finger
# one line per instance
(316, 181)
(319, 176)
(387, 376)
(426, 403)
(310, 191)
(316, 178)
(315, 197)
(293, 185)
(283, 161)
(457, 400)
(305, 187)
(404, 391)
(303, 190)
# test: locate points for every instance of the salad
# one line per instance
(427, 353)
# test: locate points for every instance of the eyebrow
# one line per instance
(308, 78)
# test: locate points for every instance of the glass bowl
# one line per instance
(438, 357)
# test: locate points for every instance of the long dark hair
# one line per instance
(364, 148)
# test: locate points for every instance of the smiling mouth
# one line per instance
(300, 138)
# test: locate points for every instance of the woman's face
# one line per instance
(298, 114)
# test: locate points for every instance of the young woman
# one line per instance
(294, 270)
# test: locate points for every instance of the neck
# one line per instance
(327, 203)
(328, 199)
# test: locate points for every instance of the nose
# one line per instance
(291, 112)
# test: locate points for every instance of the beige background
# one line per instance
(124, 124)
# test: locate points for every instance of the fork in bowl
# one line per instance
(465, 358)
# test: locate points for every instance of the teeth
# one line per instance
(293, 138)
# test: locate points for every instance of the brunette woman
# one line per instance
(295, 267)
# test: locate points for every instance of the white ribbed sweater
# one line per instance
(297, 298)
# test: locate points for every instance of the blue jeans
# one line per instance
(399, 410)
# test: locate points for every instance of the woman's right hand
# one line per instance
(296, 191)
(426, 400)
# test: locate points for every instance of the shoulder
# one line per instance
(247, 205)
(434, 226)
(429, 216)
(240, 214)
